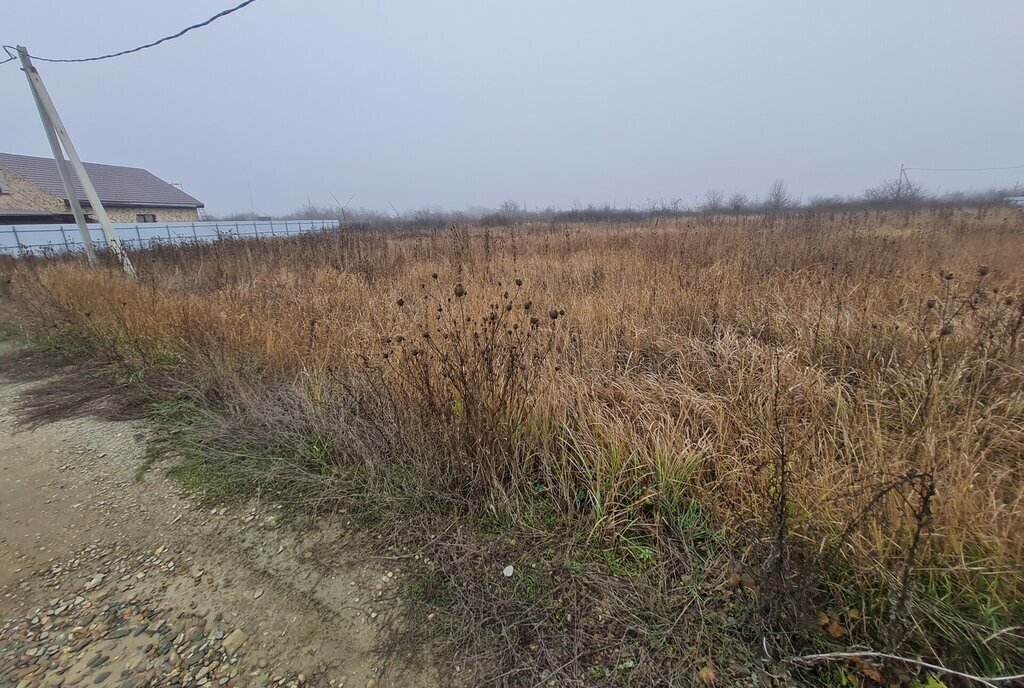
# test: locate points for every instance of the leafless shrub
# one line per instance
(714, 202)
(895, 192)
(467, 368)
(738, 202)
(777, 199)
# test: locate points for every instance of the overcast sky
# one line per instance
(409, 103)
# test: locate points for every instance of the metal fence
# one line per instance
(19, 240)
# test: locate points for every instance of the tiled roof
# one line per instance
(115, 185)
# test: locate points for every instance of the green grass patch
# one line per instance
(631, 556)
(153, 453)
(9, 332)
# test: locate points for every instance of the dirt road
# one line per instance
(106, 579)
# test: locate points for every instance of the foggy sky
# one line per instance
(412, 103)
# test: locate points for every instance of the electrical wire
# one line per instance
(963, 169)
(179, 34)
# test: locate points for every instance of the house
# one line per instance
(1015, 200)
(31, 192)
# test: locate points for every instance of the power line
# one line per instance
(964, 169)
(179, 34)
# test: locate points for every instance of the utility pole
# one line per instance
(903, 171)
(902, 180)
(58, 136)
(62, 166)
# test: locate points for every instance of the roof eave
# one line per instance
(125, 204)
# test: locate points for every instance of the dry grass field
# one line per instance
(705, 444)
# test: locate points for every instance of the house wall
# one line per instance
(125, 214)
(25, 195)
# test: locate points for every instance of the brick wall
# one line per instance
(122, 214)
(24, 195)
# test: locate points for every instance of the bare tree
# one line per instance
(738, 202)
(778, 198)
(895, 192)
(511, 208)
(714, 202)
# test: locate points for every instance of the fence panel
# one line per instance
(17, 240)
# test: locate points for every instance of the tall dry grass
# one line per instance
(842, 392)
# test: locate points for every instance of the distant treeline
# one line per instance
(891, 194)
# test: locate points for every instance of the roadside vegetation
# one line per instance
(670, 451)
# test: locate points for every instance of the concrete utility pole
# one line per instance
(62, 165)
(58, 136)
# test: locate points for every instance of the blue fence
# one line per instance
(16, 240)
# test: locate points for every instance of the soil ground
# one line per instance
(114, 577)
